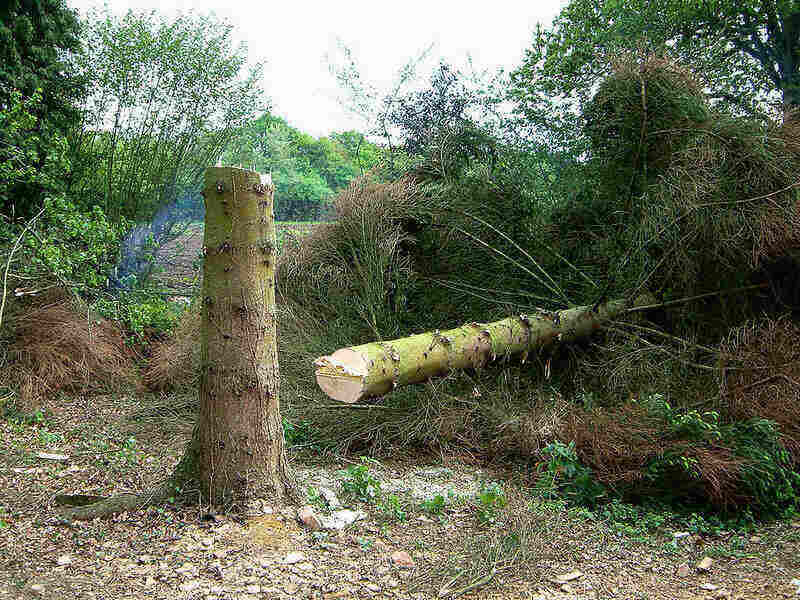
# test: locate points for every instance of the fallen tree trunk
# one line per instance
(359, 372)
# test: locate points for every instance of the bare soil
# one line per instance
(195, 552)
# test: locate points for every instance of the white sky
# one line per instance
(293, 36)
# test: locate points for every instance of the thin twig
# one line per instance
(699, 297)
(10, 258)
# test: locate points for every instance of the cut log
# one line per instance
(359, 372)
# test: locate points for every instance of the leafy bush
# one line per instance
(143, 314)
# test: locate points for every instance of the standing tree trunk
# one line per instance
(236, 451)
(237, 448)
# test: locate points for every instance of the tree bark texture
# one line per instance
(237, 448)
(359, 372)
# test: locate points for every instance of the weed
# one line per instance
(490, 500)
(299, 432)
(365, 543)
(359, 482)
(316, 499)
(49, 438)
(565, 475)
(129, 453)
(435, 505)
(393, 508)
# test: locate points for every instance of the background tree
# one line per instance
(37, 43)
(306, 171)
(168, 90)
(745, 54)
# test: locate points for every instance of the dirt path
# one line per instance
(530, 550)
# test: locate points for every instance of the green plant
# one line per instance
(565, 475)
(129, 453)
(359, 482)
(141, 312)
(490, 501)
(48, 438)
(392, 507)
(365, 543)
(316, 499)
(435, 505)
(297, 432)
(3, 522)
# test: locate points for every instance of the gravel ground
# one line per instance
(529, 550)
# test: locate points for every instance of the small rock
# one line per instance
(709, 587)
(372, 587)
(291, 588)
(755, 539)
(207, 542)
(571, 576)
(308, 517)
(37, 588)
(683, 570)
(150, 581)
(392, 583)
(305, 566)
(566, 588)
(681, 534)
(796, 524)
(64, 560)
(705, 564)
(340, 519)
(402, 559)
(294, 557)
(189, 586)
(253, 589)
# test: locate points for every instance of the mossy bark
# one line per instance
(359, 372)
(237, 448)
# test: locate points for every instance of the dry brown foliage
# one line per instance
(761, 376)
(620, 443)
(616, 443)
(174, 363)
(58, 346)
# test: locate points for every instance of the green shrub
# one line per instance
(141, 313)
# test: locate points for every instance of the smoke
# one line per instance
(142, 248)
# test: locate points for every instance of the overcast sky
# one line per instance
(293, 38)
